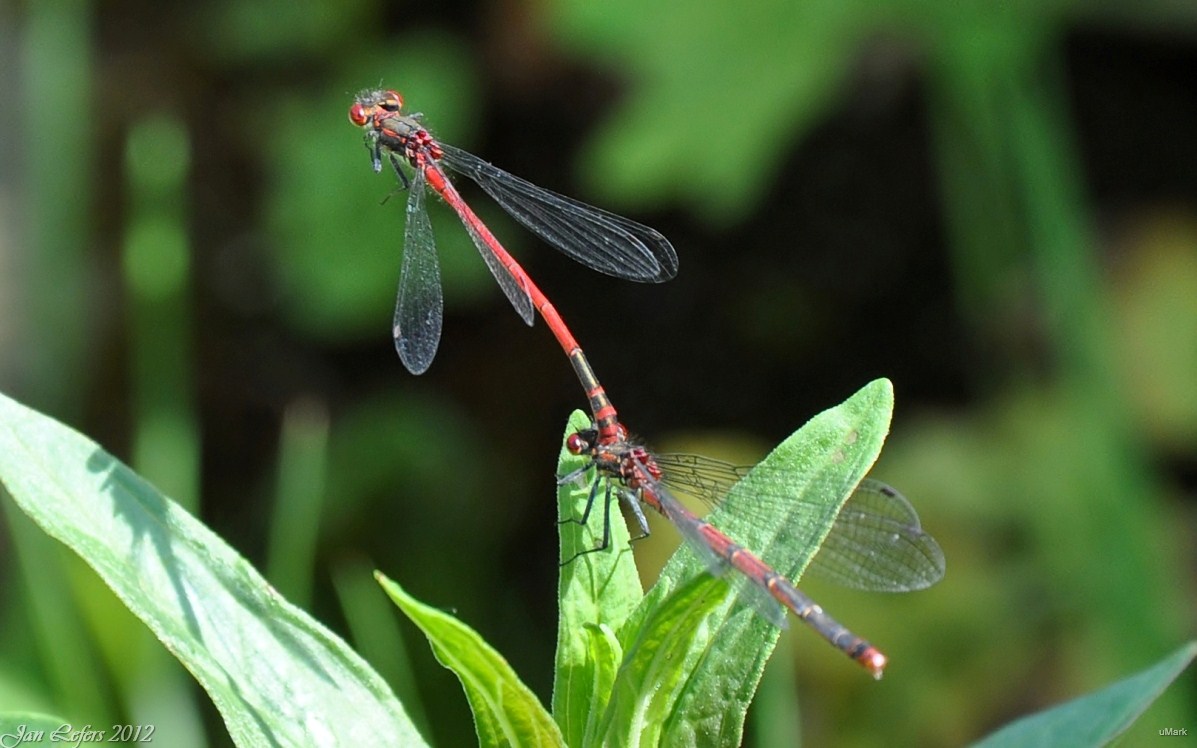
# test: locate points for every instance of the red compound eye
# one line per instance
(576, 445)
(358, 114)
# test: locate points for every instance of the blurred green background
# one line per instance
(993, 204)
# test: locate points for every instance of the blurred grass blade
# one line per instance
(68, 664)
(1100, 717)
(277, 676)
(156, 264)
(57, 52)
(375, 634)
(506, 712)
(596, 591)
(298, 499)
(819, 465)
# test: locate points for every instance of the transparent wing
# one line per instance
(419, 309)
(600, 240)
(701, 477)
(876, 542)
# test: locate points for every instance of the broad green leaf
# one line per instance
(597, 592)
(1100, 717)
(506, 712)
(782, 511)
(277, 676)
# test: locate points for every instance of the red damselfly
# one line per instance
(876, 541)
(594, 237)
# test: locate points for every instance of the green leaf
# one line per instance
(769, 512)
(1100, 717)
(277, 676)
(506, 712)
(597, 592)
(658, 664)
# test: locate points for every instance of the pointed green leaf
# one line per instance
(597, 591)
(277, 676)
(506, 712)
(1100, 717)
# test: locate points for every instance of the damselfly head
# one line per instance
(580, 442)
(368, 104)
